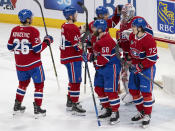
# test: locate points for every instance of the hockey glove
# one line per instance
(136, 68)
(126, 33)
(48, 39)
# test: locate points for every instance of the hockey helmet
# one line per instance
(128, 11)
(139, 22)
(101, 10)
(25, 14)
(69, 11)
(100, 24)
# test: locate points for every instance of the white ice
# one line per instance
(57, 119)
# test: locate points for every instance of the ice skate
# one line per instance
(146, 121)
(38, 112)
(69, 104)
(138, 117)
(77, 109)
(106, 113)
(18, 108)
(114, 118)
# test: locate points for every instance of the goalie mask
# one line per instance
(128, 11)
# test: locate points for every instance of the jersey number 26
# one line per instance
(22, 46)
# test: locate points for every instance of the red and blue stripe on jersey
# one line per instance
(143, 50)
(70, 52)
(123, 42)
(27, 46)
(104, 50)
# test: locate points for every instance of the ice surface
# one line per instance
(57, 119)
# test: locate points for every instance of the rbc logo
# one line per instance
(165, 11)
(61, 4)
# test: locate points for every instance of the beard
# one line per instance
(96, 33)
(74, 20)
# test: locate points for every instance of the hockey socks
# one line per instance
(38, 95)
(21, 90)
(74, 92)
(102, 97)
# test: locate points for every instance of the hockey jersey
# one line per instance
(143, 50)
(124, 42)
(27, 46)
(104, 50)
(70, 52)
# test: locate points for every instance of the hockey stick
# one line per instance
(49, 45)
(87, 30)
(86, 64)
(85, 72)
(129, 65)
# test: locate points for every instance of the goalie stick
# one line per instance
(86, 64)
(129, 65)
(49, 45)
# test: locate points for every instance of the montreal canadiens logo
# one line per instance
(135, 53)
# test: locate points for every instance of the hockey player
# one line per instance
(107, 71)
(26, 44)
(143, 52)
(71, 57)
(103, 13)
(127, 17)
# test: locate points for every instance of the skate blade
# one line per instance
(129, 103)
(145, 126)
(137, 122)
(18, 112)
(104, 119)
(78, 114)
(37, 116)
(68, 109)
(114, 122)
